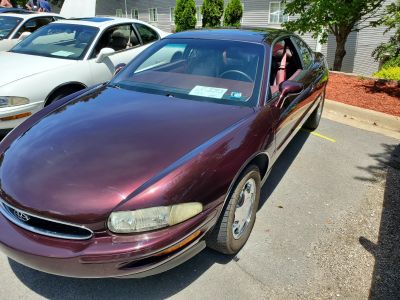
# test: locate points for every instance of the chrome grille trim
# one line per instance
(6, 210)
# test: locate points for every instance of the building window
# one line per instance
(153, 16)
(135, 13)
(172, 14)
(119, 13)
(199, 16)
(276, 15)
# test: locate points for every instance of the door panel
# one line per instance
(104, 71)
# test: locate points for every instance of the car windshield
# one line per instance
(227, 72)
(7, 25)
(67, 41)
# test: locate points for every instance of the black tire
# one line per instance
(63, 92)
(222, 238)
(313, 121)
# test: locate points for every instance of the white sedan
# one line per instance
(64, 57)
(16, 26)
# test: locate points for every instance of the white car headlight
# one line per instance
(7, 101)
(152, 218)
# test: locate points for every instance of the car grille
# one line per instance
(44, 226)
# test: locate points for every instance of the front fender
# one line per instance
(207, 173)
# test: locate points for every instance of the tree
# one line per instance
(233, 13)
(390, 49)
(185, 15)
(212, 11)
(324, 17)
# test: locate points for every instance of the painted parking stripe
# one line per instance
(320, 136)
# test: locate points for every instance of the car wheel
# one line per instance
(234, 226)
(61, 94)
(313, 121)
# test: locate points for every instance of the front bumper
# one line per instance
(105, 255)
(5, 112)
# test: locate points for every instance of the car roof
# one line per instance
(99, 22)
(27, 16)
(254, 35)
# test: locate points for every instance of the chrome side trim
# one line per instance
(4, 210)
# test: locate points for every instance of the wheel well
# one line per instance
(70, 87)
(261, 161)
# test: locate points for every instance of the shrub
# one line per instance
(393, 62)
(233, 13)
(212, 11)
(391, 73)
(185, 15)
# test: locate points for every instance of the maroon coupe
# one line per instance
(135, 176)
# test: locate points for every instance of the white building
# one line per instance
(257, 13)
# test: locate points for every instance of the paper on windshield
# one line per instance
(62, 53)
(206, 91)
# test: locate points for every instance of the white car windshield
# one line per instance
(7, 25)
(66, 41)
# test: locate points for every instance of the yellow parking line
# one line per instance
(320, 135)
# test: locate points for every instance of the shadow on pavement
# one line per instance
(282, 165)
(156, 287)
(386, 277)
(159, 286)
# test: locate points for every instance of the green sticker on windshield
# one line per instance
(236, 95)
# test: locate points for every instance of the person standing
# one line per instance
(32, 5)
(44, 6)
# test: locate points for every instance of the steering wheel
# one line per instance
(243, 74)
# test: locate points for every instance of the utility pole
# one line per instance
(126, 10)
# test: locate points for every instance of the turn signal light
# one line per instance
(180, 244)
(20, 116)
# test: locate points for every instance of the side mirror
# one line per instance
(287, 88)
(24, 35)
(119, 68)
(103, 54)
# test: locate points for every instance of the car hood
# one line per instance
(7, 44)
(81, 160)
(19, 66)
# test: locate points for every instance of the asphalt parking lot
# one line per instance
(328, 227)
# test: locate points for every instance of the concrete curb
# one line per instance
(364, 115)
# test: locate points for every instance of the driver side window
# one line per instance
(33, 25)
(118, 38)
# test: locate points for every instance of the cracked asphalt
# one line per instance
(327, 227)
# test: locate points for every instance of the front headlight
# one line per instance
(7, 101)
(152, 218)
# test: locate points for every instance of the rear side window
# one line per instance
(305, 52)
(147, 34)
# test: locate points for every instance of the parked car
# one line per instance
(133, 177)
(64, 57)
(16, 26)
(15, 10)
